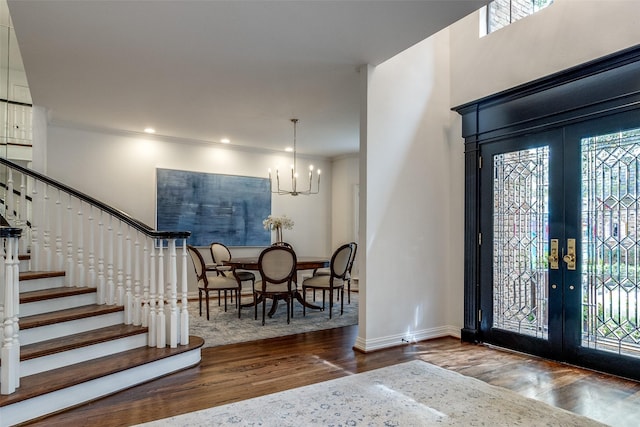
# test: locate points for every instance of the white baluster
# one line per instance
(36, 208)
(173, 295)
(184, 315)
(161, 332)
(81, 280)
(128, 292)
(145, 284)
(120, 267)
(102, 299)
(59, 255)
(22, 216)
(91, 276)
(137, 298)
(10, 202)
(110, 283)
(153, 334)
(46, 235)
(70, 271)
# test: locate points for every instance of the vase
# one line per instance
(278, 231)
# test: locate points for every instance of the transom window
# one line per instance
(500, 13)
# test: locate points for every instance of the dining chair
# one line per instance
(327, 271)
(208, 280)
(220, 254)
(285, 244)
(334, 281)
(277, 267)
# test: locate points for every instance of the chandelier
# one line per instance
(294, 174)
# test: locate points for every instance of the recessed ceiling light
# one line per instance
(149, 130)
(288, 149)
(225, 140)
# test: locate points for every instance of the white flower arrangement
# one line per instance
(278, 222)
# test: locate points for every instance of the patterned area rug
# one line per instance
(415, 393)
(225, 327)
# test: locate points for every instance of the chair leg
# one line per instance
(341, 301)
(225, 300)
(200, 301)
(304, 300)
(255, 305)
(288, 301)
(349, 291)
(264, 306)
(238, 304)
(219, 298)
(206, 298)
(330, 301)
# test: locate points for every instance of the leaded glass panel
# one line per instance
(610, 256)
(520, 241)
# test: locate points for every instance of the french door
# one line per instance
(560, 244)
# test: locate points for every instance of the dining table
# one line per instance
(302, 263)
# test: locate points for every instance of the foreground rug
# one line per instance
(225, 327)
(415, 393)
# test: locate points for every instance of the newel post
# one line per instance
(9, 304)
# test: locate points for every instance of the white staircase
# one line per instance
(74, 350)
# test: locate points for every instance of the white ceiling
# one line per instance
(206, 70)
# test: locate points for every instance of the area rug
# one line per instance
(414, 393)
(225, 327)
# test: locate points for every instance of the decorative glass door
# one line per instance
(560, 255)
(518, 184)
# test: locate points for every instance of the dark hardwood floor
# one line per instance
(241, 371)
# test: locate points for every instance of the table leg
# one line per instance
(307, 304)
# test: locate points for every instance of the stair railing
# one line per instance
(129, 263)
(9, 302)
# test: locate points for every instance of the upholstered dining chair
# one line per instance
(209, 281)
(220, 253)
(334, 281)
(285, 244)
(327, 271)
(277, 267)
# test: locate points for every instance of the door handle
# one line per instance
(570, 257)
(554, 260)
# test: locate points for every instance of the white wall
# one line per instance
(344, 190)
(408, 199)
(563, 35)
(120, 169)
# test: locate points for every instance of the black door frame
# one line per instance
(593, 90)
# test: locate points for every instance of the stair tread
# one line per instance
(68, 376)
(83, 339)
(45, 294)
(68, 314)
(32, 275)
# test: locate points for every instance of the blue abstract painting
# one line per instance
(213, 207)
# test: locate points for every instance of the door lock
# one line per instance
(570, 257)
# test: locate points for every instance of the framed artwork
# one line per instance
(213, 207)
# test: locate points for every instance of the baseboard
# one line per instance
(374, 344)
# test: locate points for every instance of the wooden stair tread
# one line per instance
(83, 339)
(68, 376)
(75, 313)
(45, 294)
(32, 275)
